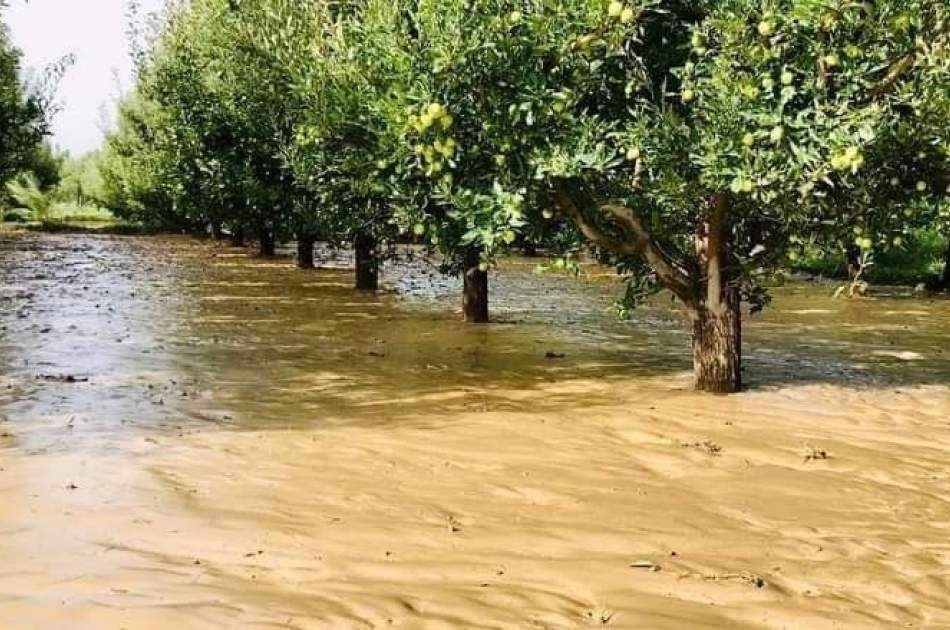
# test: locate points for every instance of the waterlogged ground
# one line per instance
(191, 438)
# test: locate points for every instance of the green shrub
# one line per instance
(919, 258)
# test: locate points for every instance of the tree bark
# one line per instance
(217, 233)
(268, 246)
(367, 263)
(853, 258)
(475, 291)
(717, 320)
(305, 252)
(237, 236)
(707, 286)
(945, 281)
(717, 347)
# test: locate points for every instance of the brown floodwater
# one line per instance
(192, 436)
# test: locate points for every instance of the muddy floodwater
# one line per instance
(192, 438)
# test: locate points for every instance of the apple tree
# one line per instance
(696, 141)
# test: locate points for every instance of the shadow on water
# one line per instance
(102, 332)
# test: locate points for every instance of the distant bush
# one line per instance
(121, 228)
(31, 200)
(920, 258)
(71, 211)
(14, 216)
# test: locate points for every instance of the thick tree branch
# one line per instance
(639, 241)
(897, 70)
(714, 227)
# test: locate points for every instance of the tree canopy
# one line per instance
(23, 121)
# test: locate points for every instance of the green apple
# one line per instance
(840, 162)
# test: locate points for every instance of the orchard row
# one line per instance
(699, 145)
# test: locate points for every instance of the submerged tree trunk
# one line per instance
(217, 233)
(707, 285)
(945, 281)
(237, 236)
(268, 246)
(717, 346)
(367, 263)
(717, 319)
(853, 259)
(305, 252)
(475, 292)
(527, 246)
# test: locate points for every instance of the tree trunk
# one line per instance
(367, 263)
(216, 232)
(708, 286)
(853, 257)
(717, 320)
(268, 247)
(237, 236)
(528, 247)
(475, 292)
(305, 252)
(946, 269)
(717, 347)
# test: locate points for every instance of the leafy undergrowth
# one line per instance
(920, 259)
(73, 226)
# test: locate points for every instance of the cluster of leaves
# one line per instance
(30, 199)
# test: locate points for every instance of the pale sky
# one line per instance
(95, 32)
